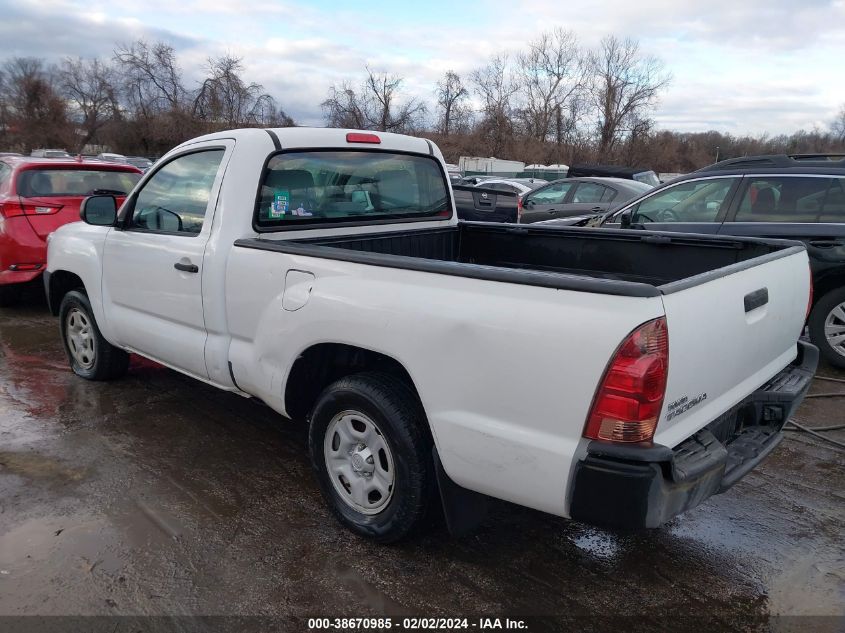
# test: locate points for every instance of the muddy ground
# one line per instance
(158, 495)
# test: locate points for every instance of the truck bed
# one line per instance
(626, 263)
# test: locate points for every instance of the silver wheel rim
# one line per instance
(79, 335)
(359, 462)
(834, 328)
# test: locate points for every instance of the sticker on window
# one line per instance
(300, 210)
(281, 203)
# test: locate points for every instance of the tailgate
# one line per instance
(728, 336)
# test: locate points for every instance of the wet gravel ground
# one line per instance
(157, 494)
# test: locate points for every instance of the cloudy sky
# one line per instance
(740, 66)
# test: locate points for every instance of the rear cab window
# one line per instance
(329, 187)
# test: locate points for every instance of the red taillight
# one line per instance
(629, 399)
(810, 298)
(10, 210)
(519, 209)
(358, 137)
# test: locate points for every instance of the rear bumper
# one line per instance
(640, 486)
(10, 277)
(19, 245)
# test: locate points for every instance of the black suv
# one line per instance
(800, 197)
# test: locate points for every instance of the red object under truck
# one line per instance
(37, 196)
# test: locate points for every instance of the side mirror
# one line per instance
(99, 210)
(625, 220)
(528, 202)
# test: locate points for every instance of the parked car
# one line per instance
(110, 157)
(578, 198)
(482, 204)
(640, 174)
(474, 180)
(50, 153)
(140, 162)
(8, 154)
(253, 261)
(454, 172)
(798, 197)
(37, 196)
(519, 186)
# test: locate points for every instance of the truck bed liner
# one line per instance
(621, 262)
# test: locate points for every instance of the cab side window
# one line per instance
(691, 201)
(175, 199)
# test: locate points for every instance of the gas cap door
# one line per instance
(298, 285)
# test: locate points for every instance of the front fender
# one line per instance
(77, 248)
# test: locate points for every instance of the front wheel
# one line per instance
(827, 327)
(91, 356)
(371, 451)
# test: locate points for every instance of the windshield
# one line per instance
(647, 177)
(39, 183)
(336, 186)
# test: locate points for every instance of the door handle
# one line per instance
(825, 243)
(551, 211)
(596, 209)
(756, 299)
(186, 268)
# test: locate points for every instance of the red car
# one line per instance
(37, 196)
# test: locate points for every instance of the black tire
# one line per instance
(10, 295)
(109, 362)
(400, 419)
(818, 316)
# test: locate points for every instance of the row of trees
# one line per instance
(555, 95)
(556, 102)
(553, 102)
(135, 102)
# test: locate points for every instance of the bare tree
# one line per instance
(89, 86)
(452, 99)
(386, 111)
(155, 99)
(224, 98)
(343, 108)
(551, 74)
(496, 86)
(34, 111)
(153, 80)
(377, 105)
(624, 88)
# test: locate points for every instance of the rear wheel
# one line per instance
(827, 327)
(371, 452)
(91, 356)
(10, 295)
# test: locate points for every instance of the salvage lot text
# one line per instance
(414, 624)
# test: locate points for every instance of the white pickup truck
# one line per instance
(608, 376)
